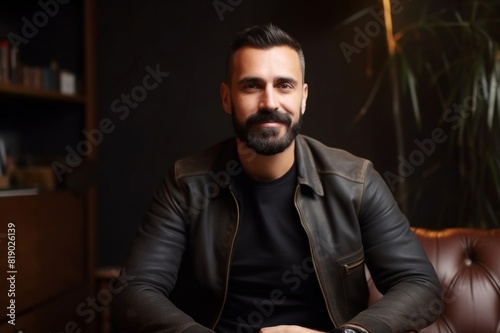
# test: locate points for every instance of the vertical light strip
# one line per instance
(391, 43)
(396, 107)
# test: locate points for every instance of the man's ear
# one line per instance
(225, 96)
(305, 91)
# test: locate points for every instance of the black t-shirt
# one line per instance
(272, 279)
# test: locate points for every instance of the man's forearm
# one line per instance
(142, 309)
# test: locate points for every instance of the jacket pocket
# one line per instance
(352, 262)
(352, 274)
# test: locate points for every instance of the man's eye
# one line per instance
(285, 86)
(250, 86)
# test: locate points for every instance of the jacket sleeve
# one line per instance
(141, 302)
(399, 266)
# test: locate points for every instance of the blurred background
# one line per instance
(99, 98)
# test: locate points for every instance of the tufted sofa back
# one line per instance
(467, 262)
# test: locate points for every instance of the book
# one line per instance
(50, 77)
(4, 62)
(15, 66)
(67, 82)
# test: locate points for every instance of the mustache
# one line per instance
(264, 116)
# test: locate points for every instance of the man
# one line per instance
(270, 231)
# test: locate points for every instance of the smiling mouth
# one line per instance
(270, 122)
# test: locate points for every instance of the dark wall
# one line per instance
(183, 114)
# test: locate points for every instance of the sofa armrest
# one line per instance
(467, 262)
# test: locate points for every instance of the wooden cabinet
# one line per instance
(54, 230)
(50, 266)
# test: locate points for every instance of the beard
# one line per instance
(267, 140)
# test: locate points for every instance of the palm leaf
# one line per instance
(454, 51)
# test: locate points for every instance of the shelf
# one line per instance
(19, 91)
(17, 192)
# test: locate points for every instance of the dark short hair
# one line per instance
(263, 37)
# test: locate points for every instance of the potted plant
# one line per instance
(443, 70)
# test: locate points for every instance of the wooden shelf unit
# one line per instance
(15, 91)
(55, 230)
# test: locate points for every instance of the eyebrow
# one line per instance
(250, 80)
(279, 79)
(288, 79)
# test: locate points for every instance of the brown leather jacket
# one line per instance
(177, 270)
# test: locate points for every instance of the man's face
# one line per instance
(265, 97)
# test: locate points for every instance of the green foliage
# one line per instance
(448, 76)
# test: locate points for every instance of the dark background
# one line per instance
(183, 115)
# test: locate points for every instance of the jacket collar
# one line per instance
(306, 168)
(307, 172)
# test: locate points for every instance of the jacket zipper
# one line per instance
(312, 255)
(348, 267)
(228, 267)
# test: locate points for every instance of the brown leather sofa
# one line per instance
(467, 262)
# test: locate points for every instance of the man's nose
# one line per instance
(268, 99)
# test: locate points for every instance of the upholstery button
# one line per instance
(468, 262)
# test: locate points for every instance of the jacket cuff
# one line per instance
(370, 324)
(352, 326)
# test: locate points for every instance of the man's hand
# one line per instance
(287, 329)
